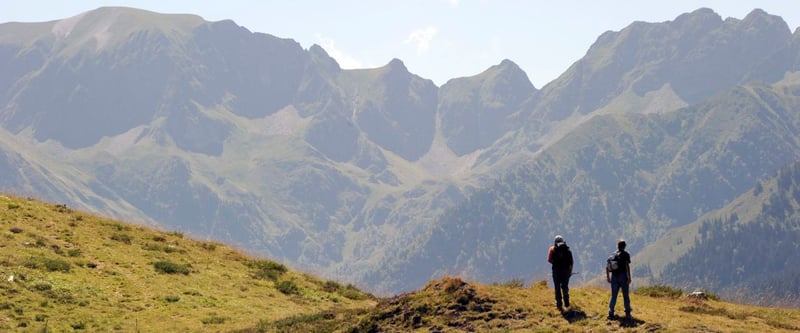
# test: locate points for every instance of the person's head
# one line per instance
(621, 245)
(558, 239)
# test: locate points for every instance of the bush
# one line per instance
(123, 238)
(513, 283)
(172, 298)
(331, 286)
(353, 293)
(267, 269)
(659, 290)
(167, 267)
(42, 286)
(288, 288)
(52, 265)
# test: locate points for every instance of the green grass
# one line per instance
(72, 276)
(73, 271)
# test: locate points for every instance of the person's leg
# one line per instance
(565, 290)
(626, 300)
(557, 288)
(613, 301)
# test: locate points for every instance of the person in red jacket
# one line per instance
(561, 258)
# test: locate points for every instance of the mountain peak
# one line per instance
(704, 18)
(108, 25)
(759, 18)
(397, 64)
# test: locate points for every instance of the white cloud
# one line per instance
(345, 61)
(454, 3)
(422, 39)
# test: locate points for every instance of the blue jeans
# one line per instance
(617, 283)
(561, 284)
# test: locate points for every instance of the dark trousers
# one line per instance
(619, 282)
(561, 284)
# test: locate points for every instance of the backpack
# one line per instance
(613, 263)
(561, 256)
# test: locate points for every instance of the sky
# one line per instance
(435, 39)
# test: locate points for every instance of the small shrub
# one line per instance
(40, 317)
(177, 234)
(167, 267)
(172, 298)
(304, 320)
(353, 293)
(15, 230)
(209, 246)
(331, 286)
(267, 269)
(123, 238)
(74, 252)
(159, 239)
(78, 326)
(52, 265)
(62, 208)
(42, 286)
(288, 288)
(659, 291)
(12, 205)
(513, 283)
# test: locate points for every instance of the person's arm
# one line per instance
(628, 270)
(608, 275)
(550, 255)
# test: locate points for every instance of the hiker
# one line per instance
(561, 258)
(618, 274)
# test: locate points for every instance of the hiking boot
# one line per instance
(611, 316)
(566, 303)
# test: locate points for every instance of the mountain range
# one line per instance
(380, 178)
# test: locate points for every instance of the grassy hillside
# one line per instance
(67, 270)
(452, 305)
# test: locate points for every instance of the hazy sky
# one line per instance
(436, 39)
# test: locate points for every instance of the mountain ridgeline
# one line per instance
(379, 177)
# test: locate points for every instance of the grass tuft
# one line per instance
(168, 267)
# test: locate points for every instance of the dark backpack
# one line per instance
(614, 262)
(561, 256)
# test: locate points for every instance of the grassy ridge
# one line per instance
(68, 270)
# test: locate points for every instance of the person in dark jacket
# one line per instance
(561, 258)
(619, 276)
